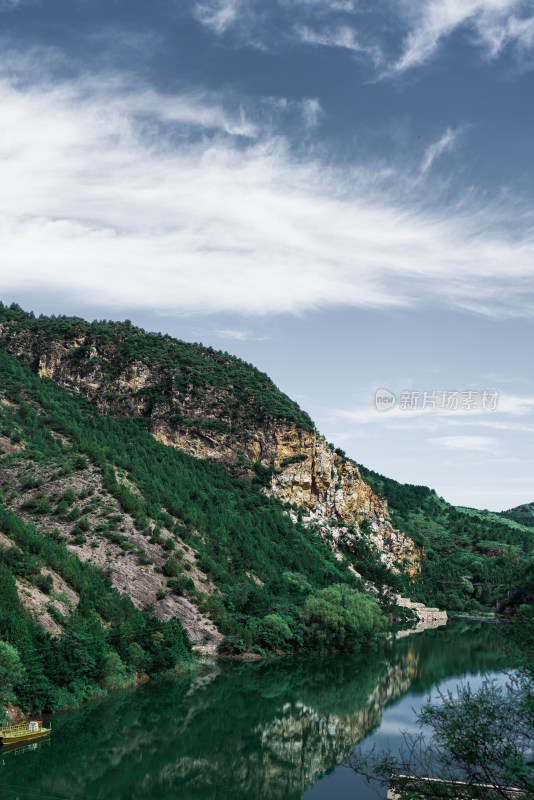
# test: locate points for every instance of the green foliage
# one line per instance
(469, 555)
(276, 632)
(116, 673)
(235, 528)
(87, 657)
(11, 673)
(341, 618)
(171, 568)
(299, 458)
(185, 369)
(183, 585)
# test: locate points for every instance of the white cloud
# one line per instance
(489, 25)
(312, 112)
(137, 199)
(494, 23)
(341, 36)
(231, 333)
(477, 444)
(219, 14)
(435, 150)
(318, 22)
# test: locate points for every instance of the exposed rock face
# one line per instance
(305, 470)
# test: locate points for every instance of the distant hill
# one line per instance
(523, 514)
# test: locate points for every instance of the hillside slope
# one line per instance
(182, 537)
(471, 557)
(524, 514)
(211, 406)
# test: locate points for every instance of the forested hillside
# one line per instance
(112, 538)
(471, 557)
(524, 514)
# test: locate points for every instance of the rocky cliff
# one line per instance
(205, 406)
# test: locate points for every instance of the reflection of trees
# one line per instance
(238, 730)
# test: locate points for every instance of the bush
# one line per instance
(341, 618)
(11, 673)
(44, 583)
(171, 568)
(116, 673)
(138, 657)
(69, 496)
(231, 646)
(275, 632)
(183, 585)
(84, 524)
(37, 505)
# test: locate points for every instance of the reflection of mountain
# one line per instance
(307, 743)
(239, 730)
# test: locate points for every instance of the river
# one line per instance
(233, 730)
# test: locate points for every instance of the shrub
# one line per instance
(341, 618)
(183, 585)
(44, 583)
(37, 505)
(231, 645)
(69, 496)
(171, 568)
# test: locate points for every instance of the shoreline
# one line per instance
(202, 653)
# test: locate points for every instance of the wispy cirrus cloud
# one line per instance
(232, 334)
(269, 24)
(9, 5)
(491, 25)
(436, 149)
(178, 203)
(344, 37)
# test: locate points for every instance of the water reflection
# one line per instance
(235, 730)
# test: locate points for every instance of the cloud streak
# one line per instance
(178, 203)
(490, 26)
(435, 150)
(493, 24)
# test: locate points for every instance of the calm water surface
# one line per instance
(233, 730)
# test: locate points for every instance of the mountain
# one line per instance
(154, 488)
(211, 406)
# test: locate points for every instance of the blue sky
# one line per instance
(340, 191)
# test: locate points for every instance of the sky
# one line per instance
(338, 191)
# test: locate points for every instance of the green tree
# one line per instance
(11, 673)
(341, 618)
(116, 673)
